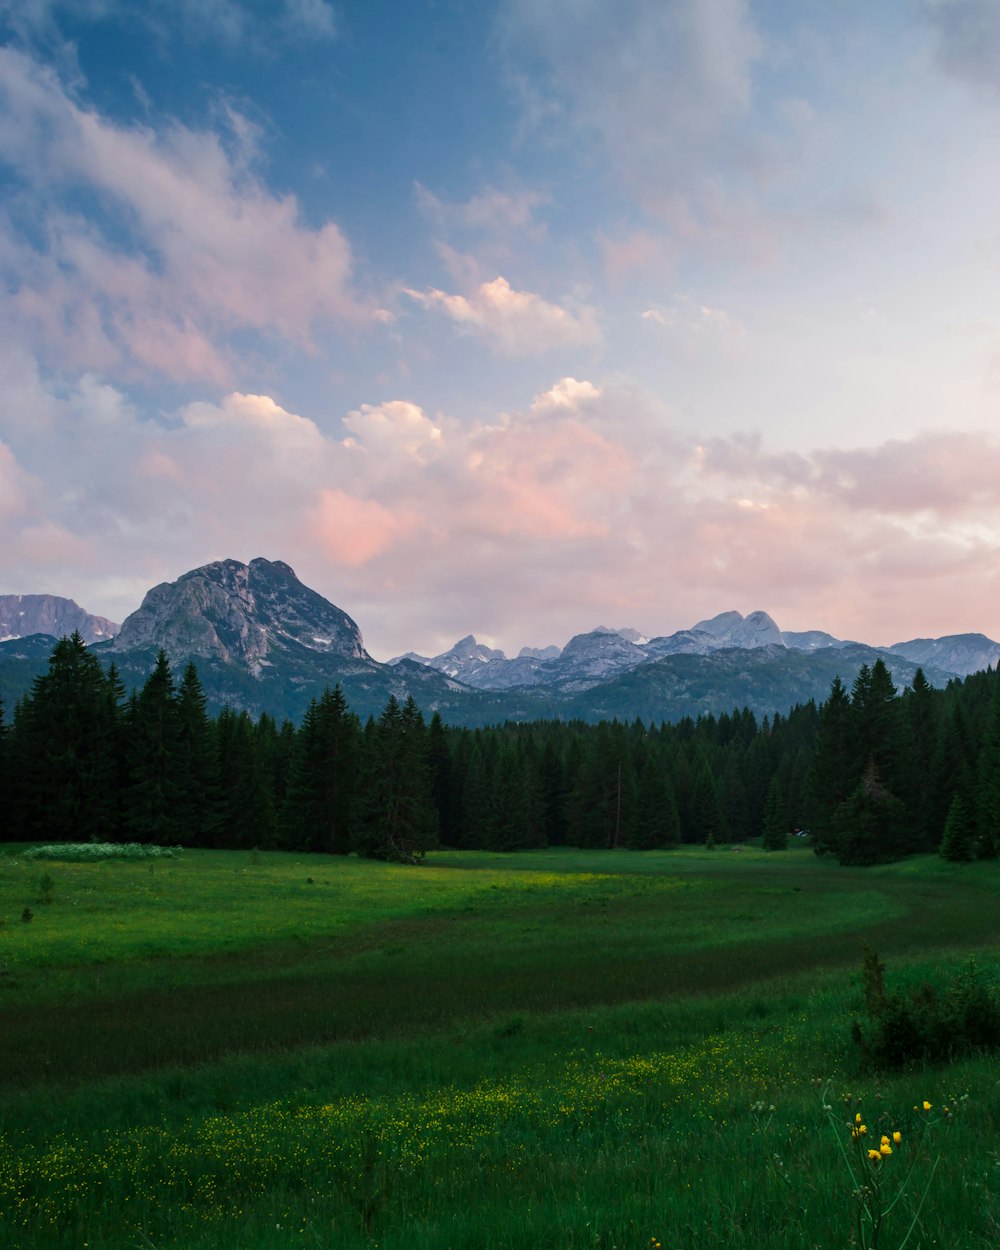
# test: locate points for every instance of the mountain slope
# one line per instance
(24, 615)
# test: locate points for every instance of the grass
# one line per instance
(557, 1049)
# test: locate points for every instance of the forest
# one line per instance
(870, 775)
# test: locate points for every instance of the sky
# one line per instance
(507, 317)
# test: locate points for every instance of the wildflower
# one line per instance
(897, 1137)
(874, 1155)
(927, 1106)
(857, 1118)
(886, 1149)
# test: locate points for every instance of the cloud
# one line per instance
(968, 34)
(514, 323)
(695, 327)
(392, 429)
(312, 18)
(659, 85)
(189, 246)
(232, 24)
(526, 526)
(491, 211)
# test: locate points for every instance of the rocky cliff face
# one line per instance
(240, 613)
(23, 615)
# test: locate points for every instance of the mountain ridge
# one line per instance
(264, 641)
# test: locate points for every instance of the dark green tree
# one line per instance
(197, 765)
(831, 775)
(775, 832)
(321, 806)
(958, 843)
(151, 802)
(401, 822)
(66, 752)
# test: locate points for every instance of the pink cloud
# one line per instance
(528, 527)
(212, 249)
(511, 322)
(351, 532)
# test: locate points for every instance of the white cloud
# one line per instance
(314, 18)
(491, 211)
(659, 85)
(209, 248)
(514, 323)
(968, 39)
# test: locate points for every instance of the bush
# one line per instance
(927, 1024)
(91, 852)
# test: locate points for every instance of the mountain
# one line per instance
(24, 615)
(240, 613)
(956, 653)
(460, 661)
(264, 641)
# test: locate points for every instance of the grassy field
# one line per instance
(561, 1049)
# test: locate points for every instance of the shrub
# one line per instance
(928, 1023)
(91, 852)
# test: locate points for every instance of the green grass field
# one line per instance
(555, 1049)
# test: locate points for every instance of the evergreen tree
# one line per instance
(66, 752)
(959, 841)
(401, 822)
(321, 806)
(197, 764)
(831, 774)
(869, 824)
(988, 780)
(6, 797)
(775, 832)
(920, 714)
(510, 816)
(473, 832)
(705, 810)
(439, 760)
(152, 811)
(656, 821)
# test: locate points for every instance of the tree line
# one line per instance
(872, 773)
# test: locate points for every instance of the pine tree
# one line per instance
(321, 806)
(920, 714)
(66, 756)
(510, 817)
(401, 821)
(197, 765)
(656, 821)
(831, 775)
(988, 781)
(775, 832)
(706, 813)
(152, 799)
(439, 759)
(869, 824)
(959, 841)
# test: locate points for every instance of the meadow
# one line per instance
(552, 1049)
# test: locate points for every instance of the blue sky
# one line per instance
(512, 317)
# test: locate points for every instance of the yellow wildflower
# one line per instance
(886, 1148)
(874, 1155)
(857, 1118)
(927, 1106)
(897, 1137)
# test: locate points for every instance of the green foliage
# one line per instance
(93, 852)
(928, 1023)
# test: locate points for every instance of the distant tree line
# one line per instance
(873, 774)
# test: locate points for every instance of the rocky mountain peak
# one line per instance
(24, 615)
(240, 613)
